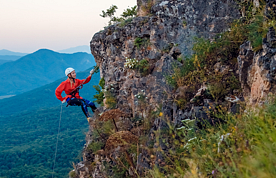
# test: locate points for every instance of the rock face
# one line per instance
(163, 32)
(158, 39)
(257, 69)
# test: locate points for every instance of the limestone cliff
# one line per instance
(163, 32)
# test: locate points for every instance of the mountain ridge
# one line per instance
(83, 48)
(9, 57)
(41, 67)
(8, 52)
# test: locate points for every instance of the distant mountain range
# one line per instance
(11, 53)
(7, 56)
(84, 48)
(39, 68)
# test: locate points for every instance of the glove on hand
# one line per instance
(92, 71)
(63, 101)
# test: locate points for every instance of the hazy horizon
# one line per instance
(28, 25)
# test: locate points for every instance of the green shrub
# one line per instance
(179, 59)
(130, 12)
(95, 146)
(73, 174)
(184, 23)
(143, 66)
(102, 83)
(99, 96)
(125, 22)
(110, 13)
(110, 100)
(125, 18)
(141, 42)
(103, 93)
(257, 31)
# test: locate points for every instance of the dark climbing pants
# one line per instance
(83, 103)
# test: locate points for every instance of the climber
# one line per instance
(71, 87)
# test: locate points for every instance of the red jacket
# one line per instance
(66, 86)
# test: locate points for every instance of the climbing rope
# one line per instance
(57, 141)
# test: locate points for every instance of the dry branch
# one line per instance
(122, 139)
(112, 114)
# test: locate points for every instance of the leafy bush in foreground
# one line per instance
(244, 146)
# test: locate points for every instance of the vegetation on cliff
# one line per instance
(207, 64)
(225, 144)
(239, 145)
(242, 146)
(127, 14)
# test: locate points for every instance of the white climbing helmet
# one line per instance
(69, 70)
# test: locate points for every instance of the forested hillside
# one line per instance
(28, 142)
(29, 125)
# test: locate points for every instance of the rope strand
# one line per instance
(57, 141)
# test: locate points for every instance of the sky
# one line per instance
(29, 25)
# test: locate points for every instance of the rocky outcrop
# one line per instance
(160, 39)
(163, 32)
(257, 70)
(162, 36)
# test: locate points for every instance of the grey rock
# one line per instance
(166, 30)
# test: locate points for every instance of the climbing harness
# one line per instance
(75, 91)
(57, 141)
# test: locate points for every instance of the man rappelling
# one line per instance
(71, 87)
